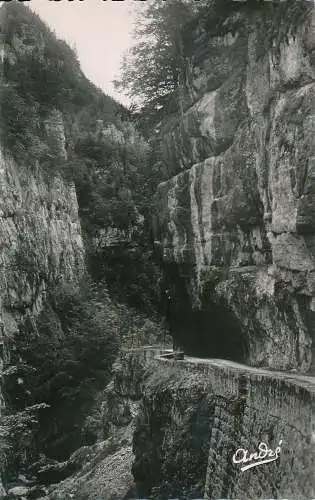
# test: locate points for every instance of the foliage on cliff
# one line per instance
(153, 68)
(40, 73)
(62, 359)
(116, 174)
(115, 183)
(16, 436)
(60, 364)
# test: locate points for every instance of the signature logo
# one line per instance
(264, 455)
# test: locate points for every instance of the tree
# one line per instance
(154, 68)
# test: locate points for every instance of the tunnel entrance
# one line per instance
(213, 332)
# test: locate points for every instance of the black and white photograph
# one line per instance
(157, 250)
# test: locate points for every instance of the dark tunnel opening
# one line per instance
(208, 334)
(213, 332)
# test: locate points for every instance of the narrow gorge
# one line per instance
(123, 231)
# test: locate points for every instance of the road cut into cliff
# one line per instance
(196, 414)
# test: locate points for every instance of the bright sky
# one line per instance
(99, 30)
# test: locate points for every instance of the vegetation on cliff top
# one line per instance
(41, 73)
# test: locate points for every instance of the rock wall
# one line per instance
(40, 244)
(195, 414)
(237, 215)
(40, 232)
(40, 238)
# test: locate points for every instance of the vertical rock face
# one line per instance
(40, 238)
(237, 217)
(40, 233)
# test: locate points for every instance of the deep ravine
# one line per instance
(122, 232)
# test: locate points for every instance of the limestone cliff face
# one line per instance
(237, 216)
(40, 237)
